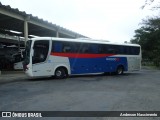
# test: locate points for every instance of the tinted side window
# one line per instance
(93, 48)
(75, 47)
(112, 49)
(64, 47)
(56, 46)
(135, 50)
(130, 50)
(101, 49)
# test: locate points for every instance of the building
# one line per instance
(16, 27)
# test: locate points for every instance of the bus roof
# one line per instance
(84, 40)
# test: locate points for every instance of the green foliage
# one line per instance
(148, 36)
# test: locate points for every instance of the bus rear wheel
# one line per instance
(119, 70)
(60, 73)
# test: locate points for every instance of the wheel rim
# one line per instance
(58, 73)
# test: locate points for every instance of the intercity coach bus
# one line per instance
(60, 57)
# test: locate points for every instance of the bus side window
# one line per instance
(131, 51)
(84, 48)
(111, 49)
(135, 50)
(126, 50)
(66, 47)
(93, 48)
(56, 46)
(121, 51)
(76, 47)
(102, 49)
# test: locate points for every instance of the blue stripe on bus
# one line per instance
(94, 65)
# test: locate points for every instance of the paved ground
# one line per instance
(137, 91)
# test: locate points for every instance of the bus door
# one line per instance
(40, 67)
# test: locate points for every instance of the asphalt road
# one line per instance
(135, 91)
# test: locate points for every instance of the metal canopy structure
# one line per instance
(26, 24)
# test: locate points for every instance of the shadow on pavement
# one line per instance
(11, 78)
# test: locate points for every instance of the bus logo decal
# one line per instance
(113, 59)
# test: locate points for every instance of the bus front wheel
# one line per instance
(60, 73)
(120, 70)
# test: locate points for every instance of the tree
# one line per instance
(147, 2)
(148, 36)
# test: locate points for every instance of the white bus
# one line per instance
(60, 57)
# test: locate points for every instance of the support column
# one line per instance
(25, 31)
(27, 18)
(57, 32)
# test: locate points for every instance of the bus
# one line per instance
(61, 57)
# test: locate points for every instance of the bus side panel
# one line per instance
(57, 61)
(95, 65)
(134, 63)
(87, 65)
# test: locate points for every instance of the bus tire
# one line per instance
(120, 70)
(60, 73)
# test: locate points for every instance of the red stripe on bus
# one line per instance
(81, 55)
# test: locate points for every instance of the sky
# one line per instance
(113, 20)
